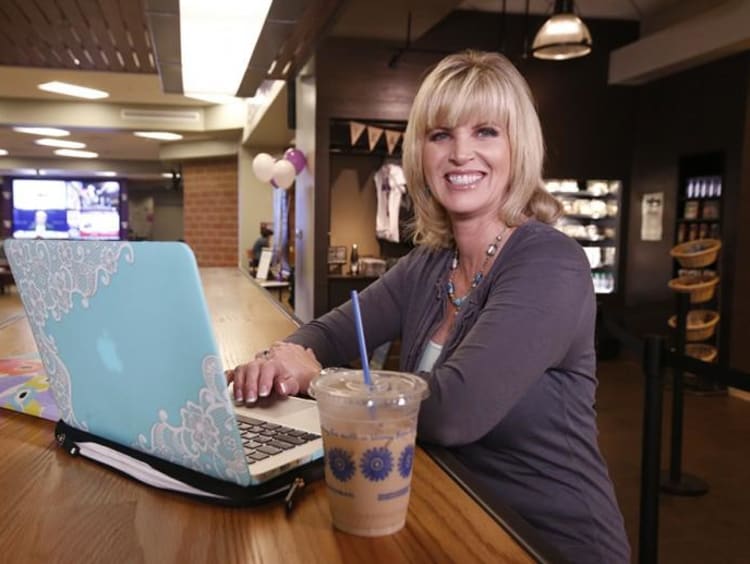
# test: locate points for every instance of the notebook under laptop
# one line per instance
(126, 339)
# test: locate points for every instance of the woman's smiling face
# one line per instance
(467, 167)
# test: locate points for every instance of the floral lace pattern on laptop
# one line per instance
(195, 443)
(49, 293)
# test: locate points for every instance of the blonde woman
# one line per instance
(494, 308)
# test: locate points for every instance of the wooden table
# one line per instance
(56, 508)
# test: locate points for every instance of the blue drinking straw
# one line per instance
(361, 337)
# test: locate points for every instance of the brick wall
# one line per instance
(210, 210)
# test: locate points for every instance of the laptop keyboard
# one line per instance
(262, 439)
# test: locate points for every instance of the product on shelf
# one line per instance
(710, 210)
(590, 216)
(561, 186)
(604, 282)
(703, 187)
(691, 210)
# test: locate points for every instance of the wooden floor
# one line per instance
(714, 528)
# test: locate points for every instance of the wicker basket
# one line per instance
(701, 286)
(701, 324)
(696, 254)
(706, 353)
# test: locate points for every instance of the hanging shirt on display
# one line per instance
(390, 184)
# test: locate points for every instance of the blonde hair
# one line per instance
(468, 85)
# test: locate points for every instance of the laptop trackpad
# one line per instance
(290, 411)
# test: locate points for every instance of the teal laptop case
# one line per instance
(125, 337)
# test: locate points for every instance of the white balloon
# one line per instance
(263, 167)
(284, 173)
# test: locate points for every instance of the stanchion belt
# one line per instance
(719, 374)
(715, 372)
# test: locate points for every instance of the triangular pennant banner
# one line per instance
(355, 131)
(391, 139)
(373, 135)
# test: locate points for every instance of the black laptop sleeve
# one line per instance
(284, 488)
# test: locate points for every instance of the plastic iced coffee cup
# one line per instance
(368, 437)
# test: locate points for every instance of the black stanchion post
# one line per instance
(674, 481)
(653, 369)
(678, 390)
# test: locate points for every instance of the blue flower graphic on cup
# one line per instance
(341, 464)
(406, 461)
(376, 463)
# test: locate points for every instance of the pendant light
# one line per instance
(563, 35)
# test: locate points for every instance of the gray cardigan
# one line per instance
(512, 393)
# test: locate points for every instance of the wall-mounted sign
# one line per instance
(652, 211)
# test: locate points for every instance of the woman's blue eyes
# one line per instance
(488, 132)
(485, 131)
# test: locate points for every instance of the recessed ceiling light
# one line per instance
(72, 90)
(43, 131)
(158, 135)
(76, 154)
(167, 174)
(106, 173)
(60, 143)
(3, 152)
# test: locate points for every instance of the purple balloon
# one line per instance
(297, 158)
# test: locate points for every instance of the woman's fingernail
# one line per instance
(263, 391)
(283, 386)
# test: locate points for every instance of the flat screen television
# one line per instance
(49, 208)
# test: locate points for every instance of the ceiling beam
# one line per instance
(716, 33)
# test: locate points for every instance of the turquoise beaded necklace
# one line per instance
(478, 277)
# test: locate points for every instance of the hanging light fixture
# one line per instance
(563, 35)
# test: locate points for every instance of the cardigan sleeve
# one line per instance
(539, 304)
(332, 337)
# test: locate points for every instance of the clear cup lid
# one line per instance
(346, 386)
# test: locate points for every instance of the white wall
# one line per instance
(165, 210)
(168, 216)
(354, 202)
(255, 203)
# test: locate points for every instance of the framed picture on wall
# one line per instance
(337, 255)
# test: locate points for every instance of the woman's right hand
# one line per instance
(285, 368)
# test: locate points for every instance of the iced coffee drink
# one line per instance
(368, 437)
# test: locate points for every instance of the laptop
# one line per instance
(126, 339)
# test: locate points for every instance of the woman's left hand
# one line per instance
(285, 368)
